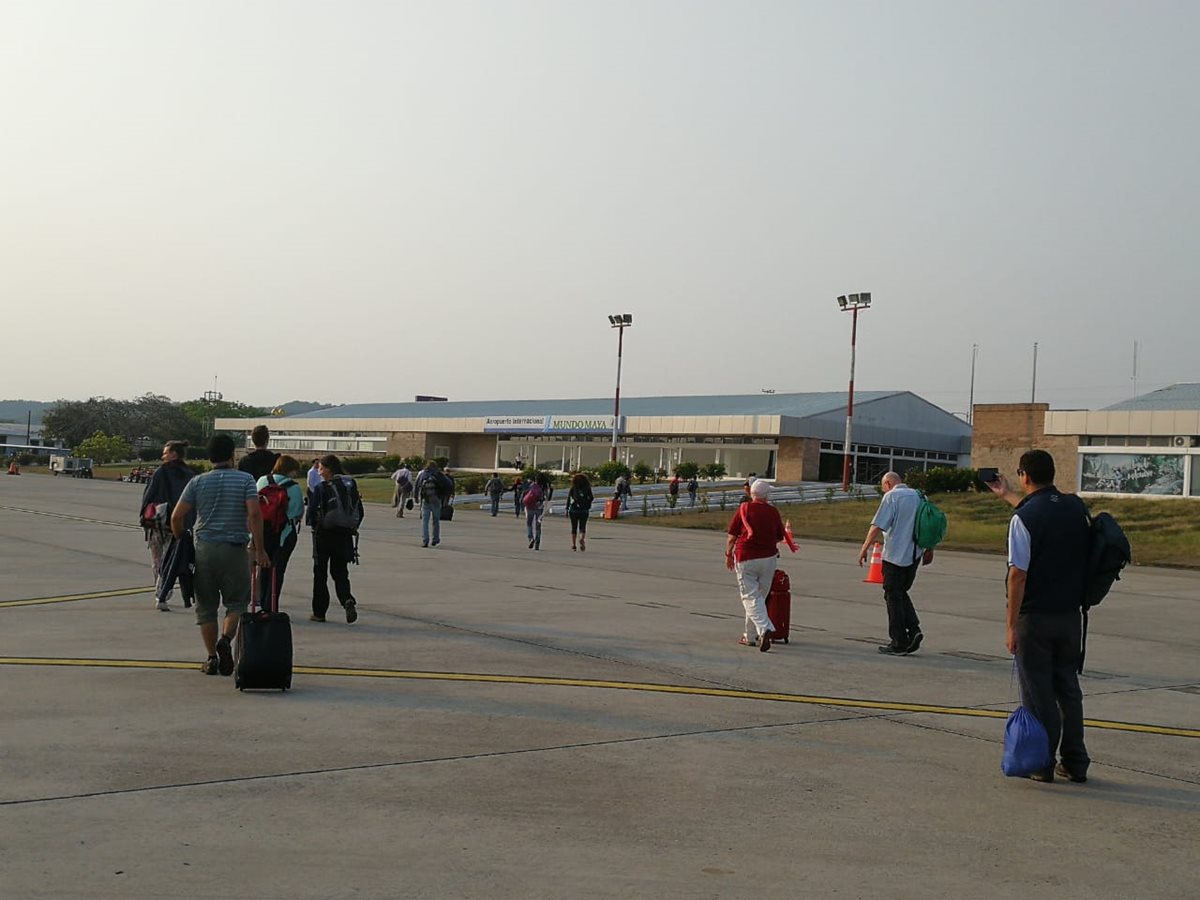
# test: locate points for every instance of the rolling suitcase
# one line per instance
(779, 605)
(263, 655)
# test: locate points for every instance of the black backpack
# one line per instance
(1108, 554)
(340, 505)
(435, 486)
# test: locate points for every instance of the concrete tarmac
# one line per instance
(514, 739)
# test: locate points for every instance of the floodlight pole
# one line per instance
(619, 322)
(855, 303)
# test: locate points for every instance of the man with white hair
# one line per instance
(751, 551)
(896, 521)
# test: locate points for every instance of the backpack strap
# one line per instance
(1083, 643)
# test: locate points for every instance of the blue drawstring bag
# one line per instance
(1026, 744)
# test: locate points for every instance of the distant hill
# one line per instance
(295, 407)
(16, 410)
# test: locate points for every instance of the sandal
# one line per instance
(210, 666)
(745, 642)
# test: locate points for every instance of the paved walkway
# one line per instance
(509, 723)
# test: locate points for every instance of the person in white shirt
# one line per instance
(404, 489)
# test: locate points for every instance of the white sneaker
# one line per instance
(163, 606)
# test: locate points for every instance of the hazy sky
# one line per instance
(369, 200)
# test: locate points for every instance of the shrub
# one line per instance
(360, 465)
(607, 473)
(471, 484)
(713, 471)
(149, 454)
(416, 462)
(688, 470)
(642, 471)
(941, 480)
(442, 461)
(390, 463)
(26, 459)
(199, 468)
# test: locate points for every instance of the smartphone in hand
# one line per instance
(988, 477)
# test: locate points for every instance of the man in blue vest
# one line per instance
(1047, 560)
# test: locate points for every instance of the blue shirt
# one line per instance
(219, 499)
(897, 517)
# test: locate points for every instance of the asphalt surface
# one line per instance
(557, 724)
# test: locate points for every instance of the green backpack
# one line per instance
(930, 526)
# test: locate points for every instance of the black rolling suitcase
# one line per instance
(263, 655)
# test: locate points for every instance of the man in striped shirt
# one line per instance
(227, 514)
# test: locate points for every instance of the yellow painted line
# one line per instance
(42, 512)
(845, 702)
(71, 598)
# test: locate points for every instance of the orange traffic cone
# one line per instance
(875, 573)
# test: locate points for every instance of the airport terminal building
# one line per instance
(791, 437)
(1148, 446)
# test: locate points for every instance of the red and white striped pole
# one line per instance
(846, 447)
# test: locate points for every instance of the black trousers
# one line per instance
(1048, 648)
(332, 552)
(903, 623)
(578, 519)
(279, 562)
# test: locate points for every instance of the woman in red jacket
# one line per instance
(751, 551)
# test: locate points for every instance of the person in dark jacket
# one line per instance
(260, 461)
(1047, 563)
(579, 506)
(165, 487)
(518, 490)
(333, 541)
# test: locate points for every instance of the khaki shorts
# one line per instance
(222, 576)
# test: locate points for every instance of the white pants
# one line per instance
(754, 578)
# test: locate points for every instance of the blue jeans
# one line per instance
(495, 504)
(517, 503)
(533, 526)
(431, 511)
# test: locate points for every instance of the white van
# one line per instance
(75, 466)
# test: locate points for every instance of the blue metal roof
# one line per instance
(797, 405)
(1184, 396)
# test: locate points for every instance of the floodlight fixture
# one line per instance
(842, 301)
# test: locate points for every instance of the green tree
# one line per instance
(642, 471)
(607, 473)
(687, 470)
(74, 421)
(104, 448)
(713, 471)
(162, 419)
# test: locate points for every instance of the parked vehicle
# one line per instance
(139, 474)
(74, 466)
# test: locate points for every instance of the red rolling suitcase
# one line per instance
(779, 605)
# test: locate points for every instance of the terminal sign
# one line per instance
(550, 424)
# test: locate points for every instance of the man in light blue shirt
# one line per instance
(896, 519)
